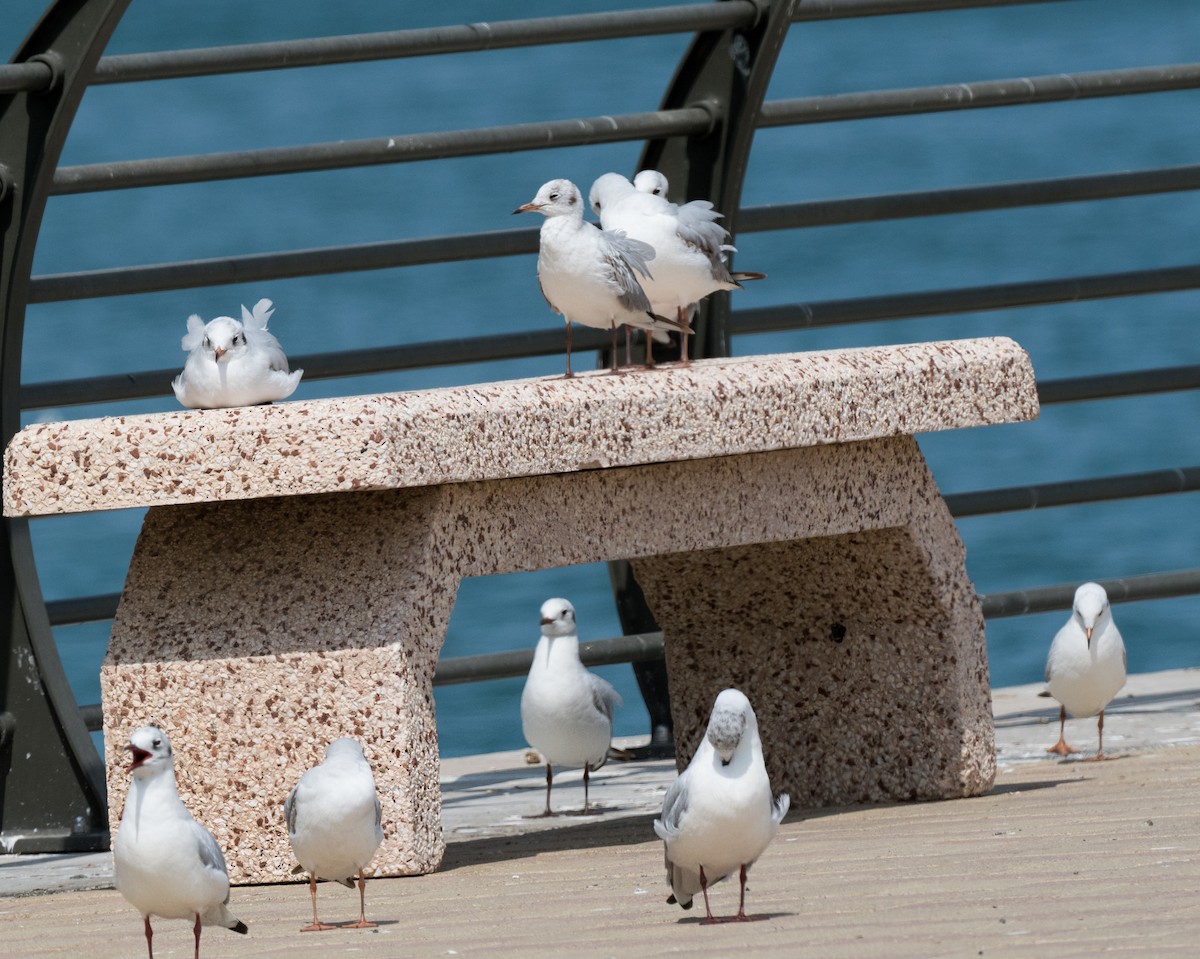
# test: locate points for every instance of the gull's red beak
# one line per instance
(547, 622)
(139, 756)
(1088, 630)
(529, 207)
(218, 352)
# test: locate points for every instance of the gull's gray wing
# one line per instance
(289, 810)
(604, 697)
(675, 805)
(207, 849)
(698, 226)
(779, 807)
(266, 342)
(624, 255)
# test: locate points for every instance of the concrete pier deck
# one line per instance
(1060, 859)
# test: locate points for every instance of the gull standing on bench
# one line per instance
(566, 711)
(690, 248)
(719, 815)
(1086, 665)
(589, 275)
(334, 824)
(234, 364)
(165, 863)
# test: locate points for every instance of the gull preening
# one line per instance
(719, 814)
(333, 822)
(234, 364)
(589, 275)
(1086, 665)
(167, 864)
(566, 711)
(691, 252)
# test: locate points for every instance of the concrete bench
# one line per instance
(298, 565)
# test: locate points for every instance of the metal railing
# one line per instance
(709, 100)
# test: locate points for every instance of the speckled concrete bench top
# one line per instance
(715, 407)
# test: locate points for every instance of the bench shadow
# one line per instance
(625, 831)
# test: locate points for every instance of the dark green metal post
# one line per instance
(52, 795)
(727, 73)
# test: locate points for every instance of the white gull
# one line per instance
(691, 254)
(566, 711)
(1086, 665)
(166, 864)
(234, 364)
(334, 824)
(719, 815)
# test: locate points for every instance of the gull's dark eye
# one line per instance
(207, 343)
(157, 743)
(553, 196)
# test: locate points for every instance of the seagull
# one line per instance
(651, 181)
(166, 863)
(234, 364)
(691, 252)
(1086, 665)
(718, 816)
(589, 275)
(566, 711)
(333, 821)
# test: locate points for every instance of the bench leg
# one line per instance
(864, 659)
(234, 636)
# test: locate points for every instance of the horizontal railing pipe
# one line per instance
(983, 94)
(1104, 386)
(407, 148)
(969, 199)
(1073, 492)
(547, 341)
(635, 648)
(257, 267)
(429, 41)
(1128, 589)
(29, 77)
(970, 299)
(844, 9)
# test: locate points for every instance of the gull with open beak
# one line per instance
(165, 863)
(1086, 665)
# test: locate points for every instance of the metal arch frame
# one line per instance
(52, 795)
(726, 73)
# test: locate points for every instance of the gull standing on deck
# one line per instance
(1086, 665)
(566, 711)
(166, 864)
(234, 364)
(334, 824)
(719, 815)
(691, 252)
(589, 275)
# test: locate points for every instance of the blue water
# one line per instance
(89, 554)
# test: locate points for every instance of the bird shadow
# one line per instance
(627, 831)
(347, 924)
(729, 920)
